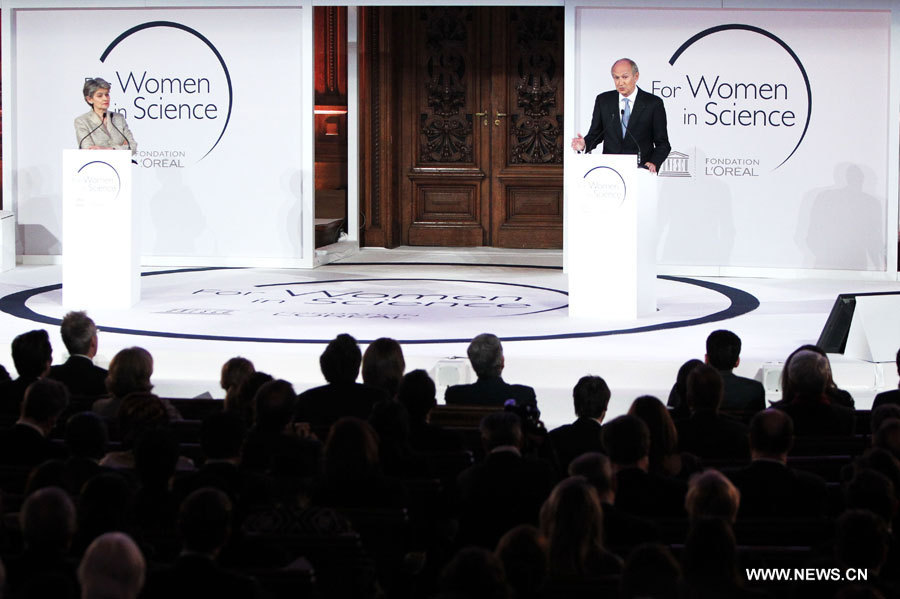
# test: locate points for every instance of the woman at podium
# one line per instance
(101, 128)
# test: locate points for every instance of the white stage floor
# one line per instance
(434, 301)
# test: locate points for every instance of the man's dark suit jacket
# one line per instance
(742, 394)
(769, 489)
(713, 436)
(12, 393)
(649, 495)
(499, 493)
(646, 126)
(887, 397)
(572, 440)
(489, 391)
(22, 445)
(81, 376)
(198, 576)
(325, 405)
(819, 418)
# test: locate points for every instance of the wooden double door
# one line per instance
(474, 134)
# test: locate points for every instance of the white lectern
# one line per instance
(101, 256)
(611, 237)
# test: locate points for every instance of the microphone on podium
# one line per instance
(636, 144)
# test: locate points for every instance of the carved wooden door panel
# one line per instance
(481, 130)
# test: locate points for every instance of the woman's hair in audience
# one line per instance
(523, 553)
(663, 436)
(234, 372)
(273, 406)
(595, 467)
(351, 451)
(383, 365)
(417, 393)
(130, 371)
(242, 401)
(473, 573)
(112, 566)
(710, 554)
(711, 494)
(651, 571)
(705, 389)
(626, 439)
(572, 522)
(140, 412)
(681, 379)
(341, 359)
(591, 397)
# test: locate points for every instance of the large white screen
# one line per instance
(201, 189)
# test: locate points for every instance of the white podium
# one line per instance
(611, 237)
(100, 251)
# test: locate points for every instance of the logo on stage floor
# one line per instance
(606, 186)
(174, 87)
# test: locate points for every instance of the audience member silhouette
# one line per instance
(707, 433)
(505, 489)
(383, 366)
(621, 531)
(47, 520)
(79, 373)
(723, 352)
(665, 459)
(204, 524)
(677, 401)
(650, 572)
(106, 504)
(711, 495)
(710, 562)
(572, 522)
(390, 421)
(138, 413)
(242, 403)
(417, 393)
(523, 553)
(486, 356)
(129, 372)
(342, 396)
(638, 492)
(26, 443)
(887, 437)
(768, 487)
(156, 455)
(836, 395)
(234, 372)
(591, 398)
(813, 413)
(473, 573)
(112, 567)
(32, 355)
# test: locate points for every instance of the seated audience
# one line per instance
(86, 439)
(677, 401)
(112, 567)
(813, 413)
(383, 366)
(106, 504)
(621, 531)
(473, 573)
(32, 355)
(523, 553)
(234, 372)
(139, 413)
(638, 492)
(572, 522)
(650, 572)
(881, 413)
(273, 438)
(768, 487)
(505, 489)
(26, 443)
(887, 437)
(836, 395)
(398, 458)
(352, 473)
(342, 396)
(591, 397)
(129, 372)
(743, 395)
(156, 455)
(711, 495)
(242, 403)
(486, 356)
(43, 569)
(204, 525)
(78, 372)
(665, 459)
(710, 561)
(708, 433)
(417, 393)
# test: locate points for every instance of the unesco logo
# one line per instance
(606, 186)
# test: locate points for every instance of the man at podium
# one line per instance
(628, 120)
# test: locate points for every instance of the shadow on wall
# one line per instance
(177, 219)
(842, 227)
(37, 239)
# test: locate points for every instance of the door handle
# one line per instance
(500, 115)
(483, 114)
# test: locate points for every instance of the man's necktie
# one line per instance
(625, 116)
